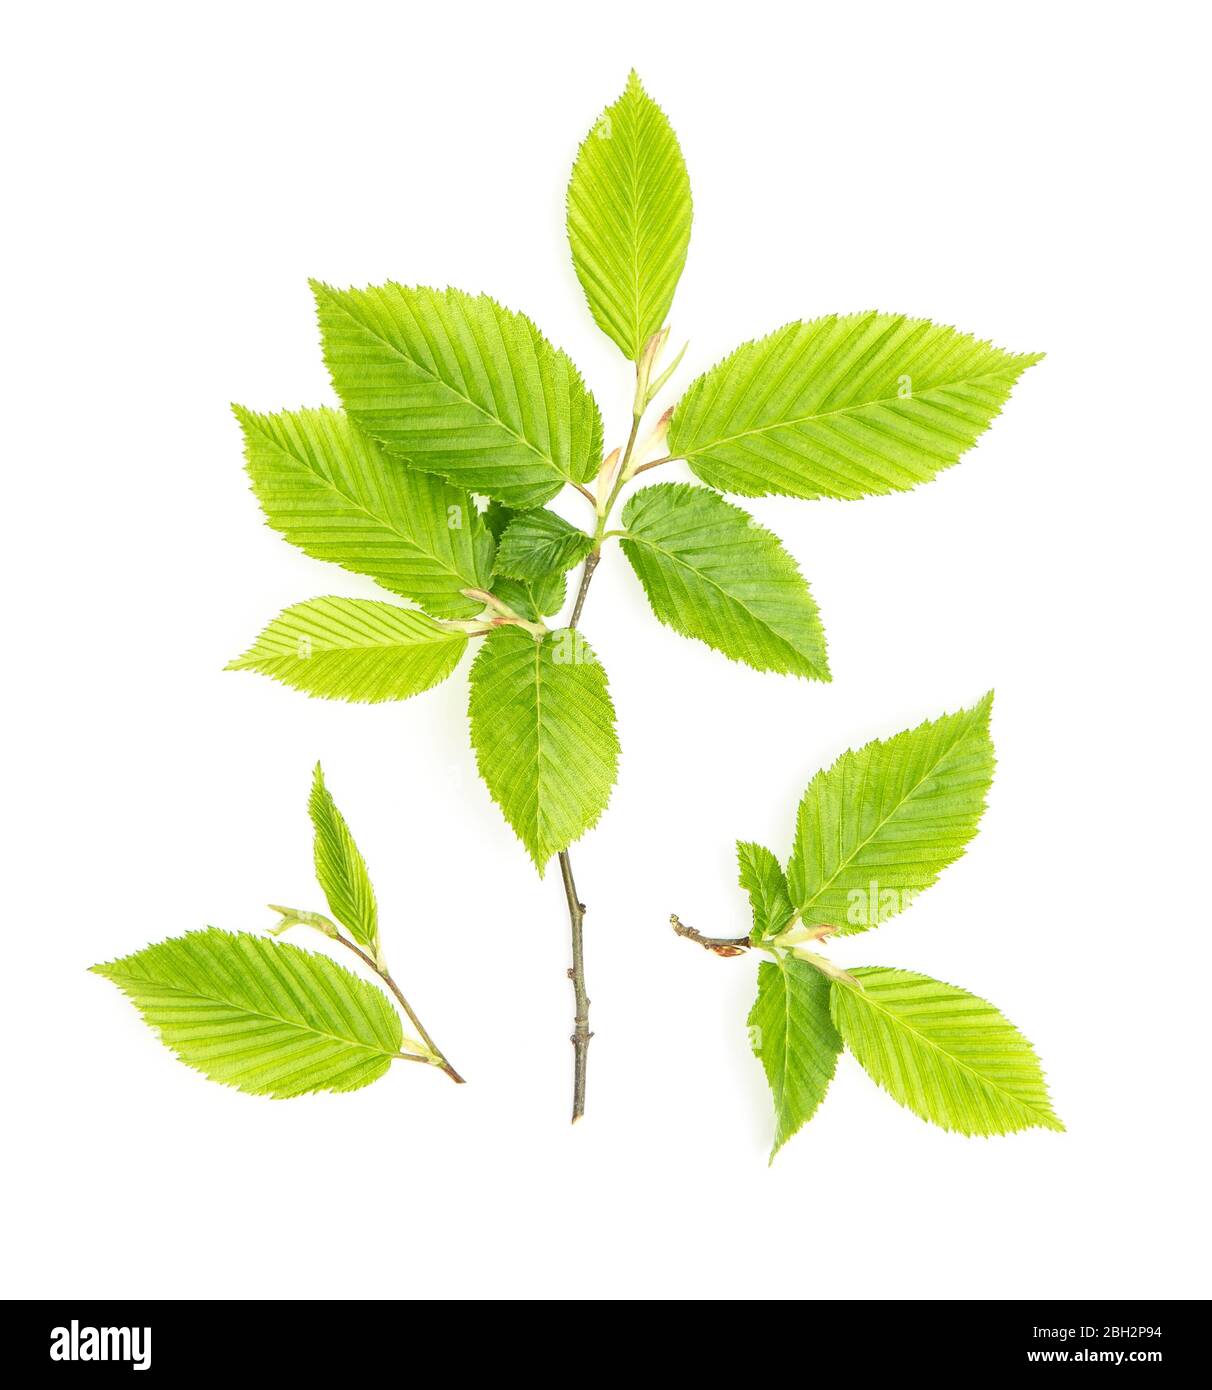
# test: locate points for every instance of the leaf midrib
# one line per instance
(842, 410)
(135, 980)
(635, 227)
(396, 643)
(538, 745)
(783, 975)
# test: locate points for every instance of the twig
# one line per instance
(580, 1029)
(385, 976)
(591, 564)
(721, 945)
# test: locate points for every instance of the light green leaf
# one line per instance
(884, 821)
(542, 726)
(539, 543)
(793, 1036)
(264, 1017)
(711, 572)
(334, 493)
(948, 1056)
(842, 407)
(341, 870)
(629, 218)
(354, 649)
(460, 386)
(762, 877)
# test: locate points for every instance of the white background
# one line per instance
(1034, 175)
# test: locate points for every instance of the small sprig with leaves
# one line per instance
(449, 397)
(871, 833)
(269, 1018)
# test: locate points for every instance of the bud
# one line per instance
(826, 967)
(480, 596)
(296, 917)
(606, 477)
(644, 367)
(665, 375)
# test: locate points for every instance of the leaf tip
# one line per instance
(776, 1148)
(325, 295)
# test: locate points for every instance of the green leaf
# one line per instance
(762, 877)
(948, 1056)
(341, 870)
(884, 821)
(497, 517)
(264, 1017)
(842, 407)
(333, 492)
(462, 387)
(629, 218)
(529, 598)
(793, 1036)
(532, 598)
(354, 649)
(711, 572)
(539, 543)
(542, 726)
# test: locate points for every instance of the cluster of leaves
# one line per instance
(871, 832)
(267, 1017)
(459, 424)
(449, 399)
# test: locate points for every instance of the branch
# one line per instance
(721, 945)
(576, 908)
(385, 976)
